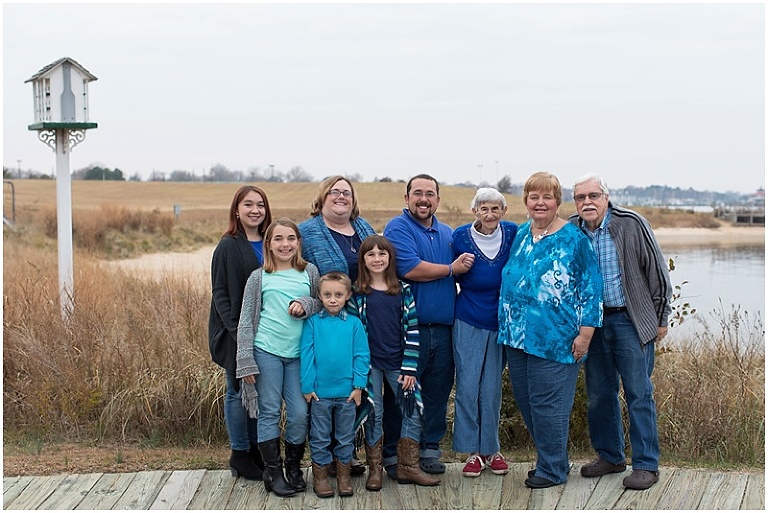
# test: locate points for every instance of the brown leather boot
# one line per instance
(408, 470)
(320, 483)
(343, 481)
(375, 471)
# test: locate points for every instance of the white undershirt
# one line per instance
(488, 244)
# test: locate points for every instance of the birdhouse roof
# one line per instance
(53, 65)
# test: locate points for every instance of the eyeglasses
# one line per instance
(337, 192)
(593, 196)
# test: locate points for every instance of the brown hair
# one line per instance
(425, 177)
(364, 279)
(545, 182)
(235, 225)
(325, 189)
(335, 276)
(297, 262)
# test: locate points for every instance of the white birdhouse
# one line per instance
(61, 96)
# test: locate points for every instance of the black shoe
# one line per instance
(432, 465)
(293, 474)
(274, 480)
(391, 471)
(242, 465)
(356, 467)
(539, 482)
(256, 456)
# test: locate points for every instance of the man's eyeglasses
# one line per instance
(337, 192)
(593, 196)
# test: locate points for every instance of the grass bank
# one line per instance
(132, 365)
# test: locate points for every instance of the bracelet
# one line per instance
(450, 270)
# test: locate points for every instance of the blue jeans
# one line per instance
(544, 391)
(327, 416)
(279, 379)
(617, 351)
(411, 426)
(242, 430)
(436, 377)
(479, 364)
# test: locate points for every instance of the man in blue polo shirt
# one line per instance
(424, 257)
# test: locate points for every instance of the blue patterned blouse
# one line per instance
(548, 290)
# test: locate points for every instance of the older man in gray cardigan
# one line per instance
(636, 296)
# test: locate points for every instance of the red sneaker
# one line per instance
(498, 465)
(474, 466)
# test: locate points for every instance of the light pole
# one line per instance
(60, 92)
(497, 173)
(272, 176)
(18, 163)
(479, 174)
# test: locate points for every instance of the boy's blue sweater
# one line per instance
(335, 358)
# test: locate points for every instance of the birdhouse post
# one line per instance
(60, 94)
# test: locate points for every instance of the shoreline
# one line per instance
(197, 263)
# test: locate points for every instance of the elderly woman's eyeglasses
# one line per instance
(593, 196)
(337, 192)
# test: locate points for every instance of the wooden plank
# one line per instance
(545, 498)
(686, 490)
(754, 495)
(390, 494)
(453, 492)
(486, 490)
(577, 491)
(36, 492)
(142, 490)
(178, 490)
(246, 495)
(214, 490)
(724, 491)
(71, 491)
(12, 488)
(650, 498)
(106, 492)
(363, 500)
(607, 491)
(514, 494)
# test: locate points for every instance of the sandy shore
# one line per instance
(198, 263)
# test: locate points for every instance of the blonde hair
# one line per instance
(325, 189)
(545, 182)
(297, 262)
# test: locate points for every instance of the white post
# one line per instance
(64, 223)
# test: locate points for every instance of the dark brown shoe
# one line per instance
(641, 479)
(343, 483)
(320, 483)
(600, 467)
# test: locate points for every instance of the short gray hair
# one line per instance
(591, 177)
(488, 195)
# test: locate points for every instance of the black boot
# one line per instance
(256, 456)
(274, 481)
(293, 474)
(241, 464)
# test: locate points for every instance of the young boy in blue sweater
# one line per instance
(334, 371)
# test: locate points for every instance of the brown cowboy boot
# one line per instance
(408, 470)
(373, 457)
(343, 481)
(320, 483)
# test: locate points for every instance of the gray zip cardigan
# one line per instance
(249, 325)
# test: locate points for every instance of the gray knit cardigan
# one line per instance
(249, 325)
(644, 271)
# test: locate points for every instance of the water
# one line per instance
(734, 276)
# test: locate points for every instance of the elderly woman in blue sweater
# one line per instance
(478, 357)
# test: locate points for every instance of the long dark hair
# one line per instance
(235, 225)
(364, 278)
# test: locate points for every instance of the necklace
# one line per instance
(351, 240)
(537, 238)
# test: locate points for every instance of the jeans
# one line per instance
(436, 377)
(242, 430)
(392, 423)
(411, 426)
(327, 415)
(479, 364)
(544, 391)
(280, 379)
(617, 351)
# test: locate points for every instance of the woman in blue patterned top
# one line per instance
(550, 303)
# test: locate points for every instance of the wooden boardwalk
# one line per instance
(216, 489)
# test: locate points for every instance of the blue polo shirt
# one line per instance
(414, 244)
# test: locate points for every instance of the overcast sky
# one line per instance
(642, 94)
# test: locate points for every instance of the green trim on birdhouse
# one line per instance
(49, 125)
